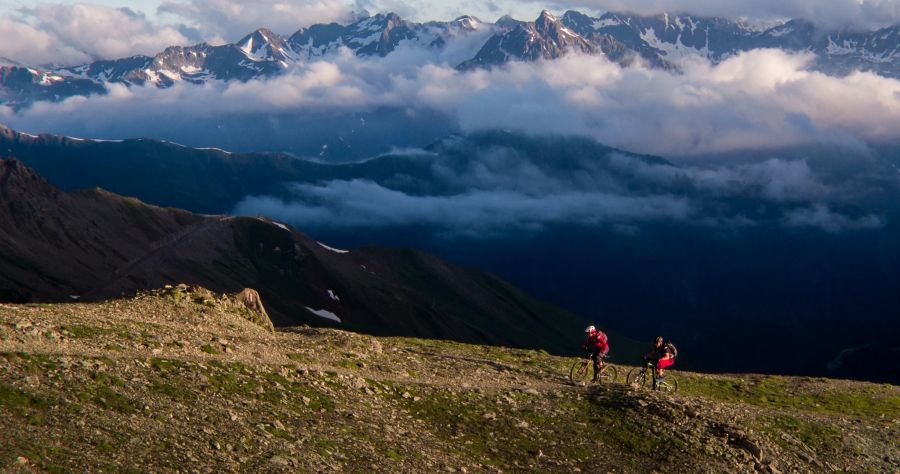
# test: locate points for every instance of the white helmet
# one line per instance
(590, 329)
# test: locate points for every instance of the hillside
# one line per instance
(187, 380)
(711, 288)
(92, 245)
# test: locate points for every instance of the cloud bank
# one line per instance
(757, 99)
(484, 189)
(358, 203)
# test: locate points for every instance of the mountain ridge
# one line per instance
(112, 245)
(659, 40)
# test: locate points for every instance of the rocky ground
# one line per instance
(183, 380)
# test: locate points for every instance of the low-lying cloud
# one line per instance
(822, 217)
(354, 204)
(502, 191)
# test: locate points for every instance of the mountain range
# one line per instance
(661, 41)
(92, 244)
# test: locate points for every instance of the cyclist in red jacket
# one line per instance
(599, 346)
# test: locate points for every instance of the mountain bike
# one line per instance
(582, 371)
(642, 377)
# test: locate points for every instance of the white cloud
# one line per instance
(27, 44)
(763, 98)
(230, 20)
(70, 34)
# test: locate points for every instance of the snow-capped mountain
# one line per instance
(260, 54)
(545, 38)
(665, 39)
(659, 41)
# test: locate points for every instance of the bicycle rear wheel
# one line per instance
(637, 377)
(609, 374)
(669, 384)
(579, 374)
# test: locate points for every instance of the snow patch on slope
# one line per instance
(324, 314)
(332, 249)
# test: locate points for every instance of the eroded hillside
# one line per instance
(184, 380)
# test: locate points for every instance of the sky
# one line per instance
(229, 19)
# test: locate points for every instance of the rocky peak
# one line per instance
(507, 22)
(467, 22)
(578, 22)
(21, 187)
(258, 38)
(545, 21)
(263, 44)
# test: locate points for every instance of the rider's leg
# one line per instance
(595, 356)
(662, 364)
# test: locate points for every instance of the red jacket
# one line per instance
(597, 342)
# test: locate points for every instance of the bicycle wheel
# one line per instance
(609, 374)
(637, 377)
(669, 384)
(579, 374)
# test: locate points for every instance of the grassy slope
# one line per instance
(176, 381)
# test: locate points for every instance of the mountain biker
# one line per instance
(598, 344)
(662, 355)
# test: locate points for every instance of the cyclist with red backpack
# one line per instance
(598, 344)
(663, 355)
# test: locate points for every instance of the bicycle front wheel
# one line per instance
(637, 377)
(669, 384)
(579, 374)
(609, 374)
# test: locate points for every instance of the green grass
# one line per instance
(819, 436)
(102, 394)
(233, 385)
(174, 391)
(13, 397)
(109, 399)
(210, 349)
(808, 395)
(35, 364)
(294, 356)
(166, 364)
(501, 441)
(348, 364)
(279, 433)
(394, 455)
(80, 331)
